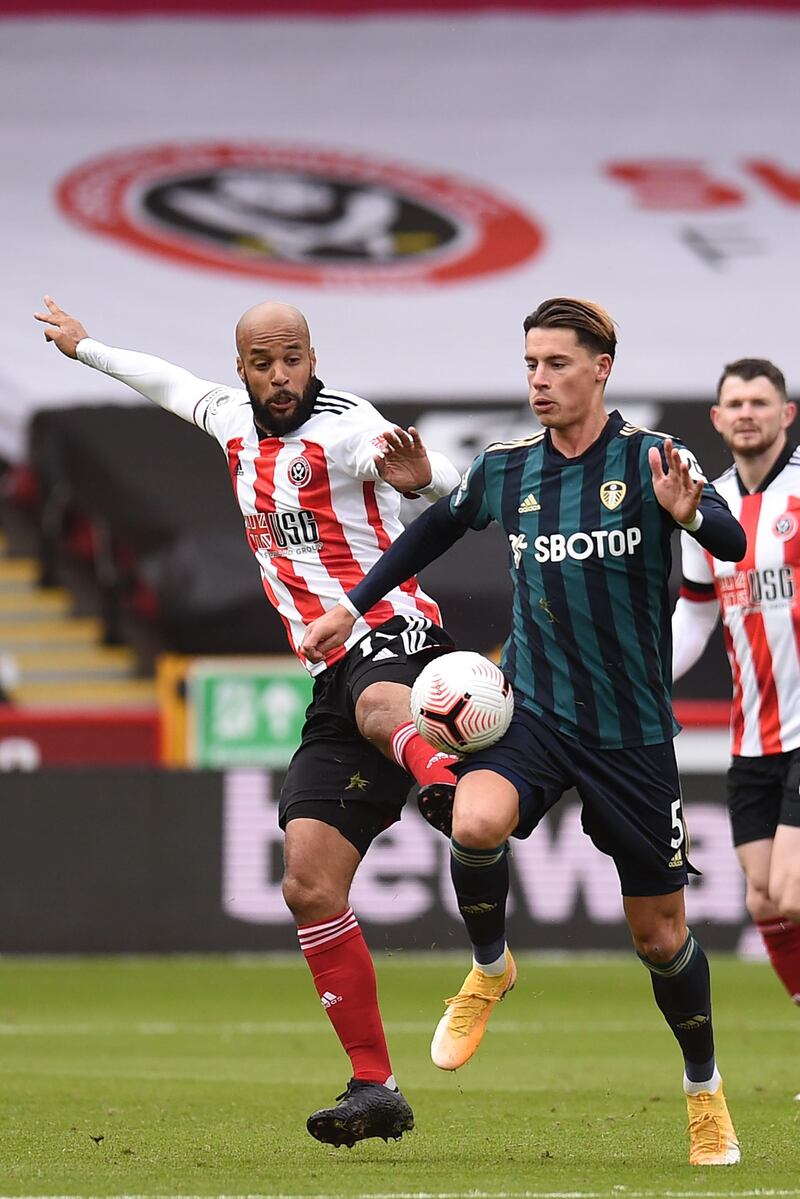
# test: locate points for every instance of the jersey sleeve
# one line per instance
(219, 413)
(468, 504)
(167, 385)
(692, 626)
(212, 407)
(696, 568)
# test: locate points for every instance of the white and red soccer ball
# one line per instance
(461, 702)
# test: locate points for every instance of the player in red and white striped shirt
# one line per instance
(759, 598)
(318, 475)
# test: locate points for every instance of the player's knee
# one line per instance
(311, 899)
(380, 709)
(478, 830)
(484, 815)
(787, 901)
(659, 941)
(760, 905)
(371, 722)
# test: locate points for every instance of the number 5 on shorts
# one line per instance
(677, 825)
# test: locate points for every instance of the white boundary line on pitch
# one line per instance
(622, 1192)
(157, 1028)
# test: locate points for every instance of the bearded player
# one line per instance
(318, 475)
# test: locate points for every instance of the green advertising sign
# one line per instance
(245, 711)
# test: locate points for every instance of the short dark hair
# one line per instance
(752, 368)
(591, 324)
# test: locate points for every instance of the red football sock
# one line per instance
(782, 940)
(420, 760)
(344, 976)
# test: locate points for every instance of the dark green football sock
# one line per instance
(682, 989)
(480, 878)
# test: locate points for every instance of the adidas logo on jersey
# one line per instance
(529, 504)
(329, 999)
(675, 861)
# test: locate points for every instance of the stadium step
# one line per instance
(52, 659)
(17, 574)
(16, 634)
(33, 604)
(68, 662)
(87, 693)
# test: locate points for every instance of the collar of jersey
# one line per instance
(777, 467)
(610, 429)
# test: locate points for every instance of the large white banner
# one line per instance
(416, 185)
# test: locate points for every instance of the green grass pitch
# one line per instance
(194, 1076)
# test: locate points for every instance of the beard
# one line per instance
(275, 424)
(752, 449)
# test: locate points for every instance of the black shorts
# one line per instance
(763, 793)
(336, 776)
(631, 798)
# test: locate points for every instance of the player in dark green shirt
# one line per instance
(589, 555)
(588, 507)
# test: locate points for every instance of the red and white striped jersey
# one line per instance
(759, 598)
(317, 514)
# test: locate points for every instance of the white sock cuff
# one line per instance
(400, 739)
(311, 936)
(497, 967)
(712, 1085)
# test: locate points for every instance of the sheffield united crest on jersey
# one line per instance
(785, 526)
(612, 493)
(299, 214)
(300, 471)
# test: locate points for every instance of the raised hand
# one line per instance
(63, 330)
(402, 460)
(675, 489)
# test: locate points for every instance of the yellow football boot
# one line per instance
(713, 1140)
(461, 1028)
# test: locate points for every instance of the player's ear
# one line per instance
(789, 413)
(240, 368)
(313, 357)
(603, 364)
(715, 416)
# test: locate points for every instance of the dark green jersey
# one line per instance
(589, 556)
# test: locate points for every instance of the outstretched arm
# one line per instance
(169, 386)
(427, 538)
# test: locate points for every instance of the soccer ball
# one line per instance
(461, 702)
